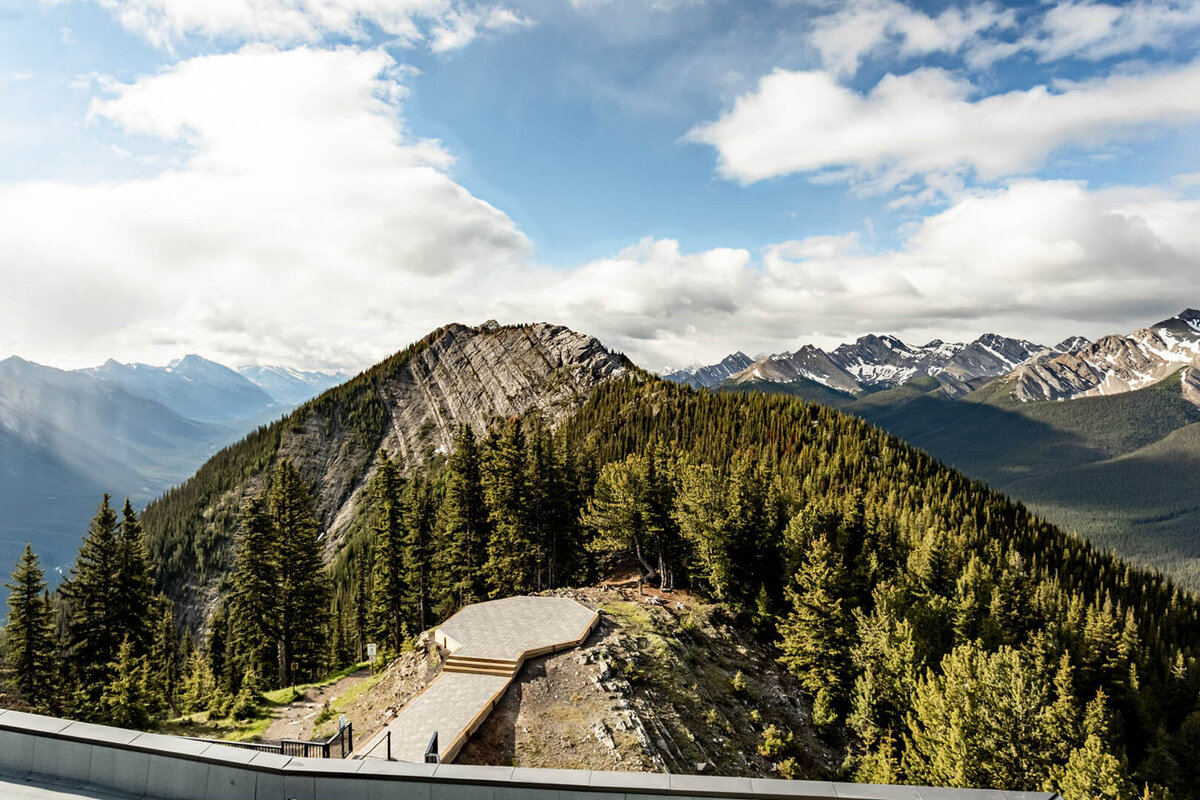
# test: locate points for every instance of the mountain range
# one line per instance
(1102, 437)
(67, 437)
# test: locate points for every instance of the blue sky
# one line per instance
(319, 182)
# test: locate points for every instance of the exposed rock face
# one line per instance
(410, 407)
(712, 375)
(468, 375)
(1112, 364)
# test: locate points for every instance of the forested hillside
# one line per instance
(942, 634)
(1114, 469)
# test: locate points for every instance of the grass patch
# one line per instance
(346, 699)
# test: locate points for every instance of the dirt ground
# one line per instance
(297, 720)
(652, 689)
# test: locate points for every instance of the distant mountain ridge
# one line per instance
(192, 387)
(710, 376)
(876, 362)
(1113, 364)
(292, 386)
(1075, 367)
(133, 430)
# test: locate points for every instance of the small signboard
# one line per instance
(371, 652)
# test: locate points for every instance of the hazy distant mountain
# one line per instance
(292, 386)
(712, 375)
(131, 430)
(67, 437)
(192, 387)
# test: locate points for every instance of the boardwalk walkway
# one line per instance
(488, 642)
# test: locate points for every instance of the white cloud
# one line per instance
(300, 205)
(927, 124)
(458, 28)
(1094, 31)
(444, 24)
(845, 37)
(1040, 259)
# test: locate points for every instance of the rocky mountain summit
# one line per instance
(408, 406)
(711, 376)
(875, 362)
(1075, 367)
(1113, 364)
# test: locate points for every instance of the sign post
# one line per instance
(371, 652)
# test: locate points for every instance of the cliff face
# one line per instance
(408, 406)
(468, 375)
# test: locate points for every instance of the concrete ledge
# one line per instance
(96, 758)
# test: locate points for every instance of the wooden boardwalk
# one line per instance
(488, 642)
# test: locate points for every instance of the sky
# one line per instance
(318, 183)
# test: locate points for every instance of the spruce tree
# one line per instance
(510, 567)
(303, 590)
(96, 628)
(163, 664)
(464, 522)
(418, 550)
(30, 630)
(254, 598)
(388, 535)
(815, 636)
(125, 699)
(135, 588)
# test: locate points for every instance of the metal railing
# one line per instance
(340, 745)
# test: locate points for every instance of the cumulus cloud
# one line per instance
(928, 123)
(1041, 259)
(300, 204)
(305, 225)
(444, 24)
(1094, 31)
(846, 36)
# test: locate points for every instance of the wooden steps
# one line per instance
(482, 666)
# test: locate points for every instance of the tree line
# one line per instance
(940, 633)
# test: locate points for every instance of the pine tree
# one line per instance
(620, 512)
(702, 514)
(164, 661)
(31, 645)
(464, 522)
(254, 598)
(815, 635)
(509, 567)
(135, 588)
(303, 590)
(390, 589)
(125, 699)
(95, 629)
(885, 658)
(418, 550)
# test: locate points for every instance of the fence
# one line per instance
(340, 745)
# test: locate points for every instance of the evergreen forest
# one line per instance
(942, 634)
